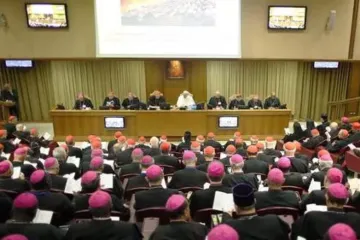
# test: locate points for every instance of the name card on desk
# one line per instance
(74, 160)
(223, 202)
(44, 151)
(106, 181)
(43, 216)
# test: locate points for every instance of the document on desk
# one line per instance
(223, 202)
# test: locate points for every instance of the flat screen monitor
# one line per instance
(19, 63)
(228, 122)
(287, 17)
(326, 64)
(114, 122)
(46, 15)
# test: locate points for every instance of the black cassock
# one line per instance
(179, 231)
(272, 102)
(86, 103)
(218, 102)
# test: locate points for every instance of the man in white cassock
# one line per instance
(185, 100)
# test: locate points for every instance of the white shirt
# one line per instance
(185, 102)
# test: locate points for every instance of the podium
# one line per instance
(4, 110)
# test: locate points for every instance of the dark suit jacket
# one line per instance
(214, 102)
(10, 129)
(167, 160)
(266, 158)
(188, 230)
(183, 146)
(58, 182)
(124, 157)
(253, 104)
(32, 231)
(294, 179)
(137, 182)
(16, 185)
(272, 102)
(188, 177)
(156, 102)
(87, 102)
(315, 197)
(110, 146)
(235, 103)
(115, 102)
(231, 180)
(276, 198)
(214, 144)
(74, 151)
(200, 158)
(202, 199)
(152, 152)
(68, 168)
(355, 137)
(127, 103)
(256, 166)
(154, 197)
(313, 142)
(8, 146)
(131, 168)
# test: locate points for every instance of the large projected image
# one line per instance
(168, 12)
(168, 28)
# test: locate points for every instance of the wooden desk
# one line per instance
(81, 123)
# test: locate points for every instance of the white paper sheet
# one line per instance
(223, 202)
(287, 131)
(110, 163)
(47, 136)
(74, 160)
(16, 173)
(314, 185)
(262, 188)
(315, 160)
(71, 175)
(85, 145)
(72, 186)
(44, 151)
(43, 216)
(300, 238)
(222, 155)
(351, 146)
(30, 163)
(163, 183)
(7, 156)
(206, 185)
(106, 181)
(16, 141)
(314, 207)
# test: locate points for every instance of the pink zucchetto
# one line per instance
(334, 175)
(338, 190)
(96, 162)
(189, 155)
(222, 232)
(341, 231)
(216, 169)
(5, 167)
(51, 162)
(37, 176)
(236, 159)
(345, 120)
(99, 199)
(284, 163)
(20, 151)
(97, 152)
(88, 177)
(137, 152)
(147, 160)
(15, 237)
(25, 200)
(154, 172)
(276, 176)
(175, 202)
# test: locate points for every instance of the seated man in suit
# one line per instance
(212, 142)
(355, 133)
(314, 141)
(248, 224)
(189, 176)
(217, 101)
(101, 226)
(18, 185)
(272, 102)
(64, 167)
(180, 222)
(154, 149)
(196, 148)
(133, 167)
(209, 154)
(294, 179)
(252, 164)
(83, 103)
(202, 199)
(25, 207)
(317, 197)
(73, 151)
(52, 168)
(142, 143)
(255, 102)
(297, 164)
(131, 101)
(237, 175)
(156, 99)
(337, 145)
(229, 151)
(314, 224)
(237, 102)
(111, 101)
(231, 141)
(165, 158)
(111, 143)
(276, 197)
(156, 196)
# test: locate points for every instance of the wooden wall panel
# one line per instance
(353, 88)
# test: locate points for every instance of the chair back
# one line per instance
(9, 193)
(130, 175)
(130, 192)
(204, 215)
(262, 175)
(348, 208)
(85, 215)
(289, 215)
(156, 212)
(189, 189)
(299, 190)
(178, 155)
(168, 170)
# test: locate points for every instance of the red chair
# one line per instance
(308, 152)
(130, 192)
(299, 190)
(204, 215)
(289, 215)
(352, 162)
(189, 189)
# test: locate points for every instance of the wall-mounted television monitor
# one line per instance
(114, 122)
(19, 63)
(326, 64)
(228, 122)
(46, 15)
(287, 17)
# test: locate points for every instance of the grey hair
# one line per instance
(325, 164)
(154, 142)
(60, 154)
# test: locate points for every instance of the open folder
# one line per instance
(223, 202)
